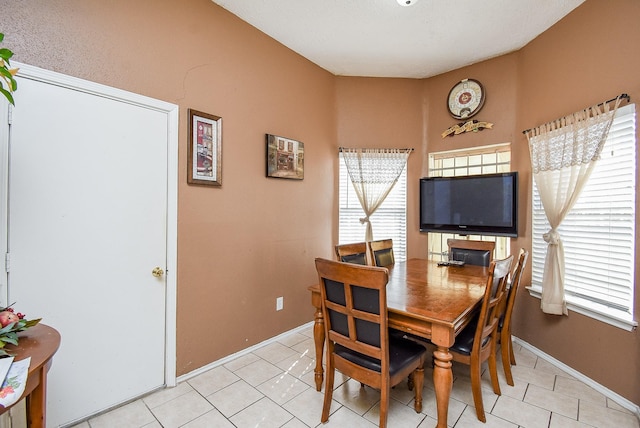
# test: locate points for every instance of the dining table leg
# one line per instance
(443, 337)
(443, 383)
(36, 402)
(318, 339)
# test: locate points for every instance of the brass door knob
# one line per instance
(157, 272)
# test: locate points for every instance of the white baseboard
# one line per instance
(16, 417)
(634, 408)
(246, 351)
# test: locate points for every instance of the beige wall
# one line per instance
(254, 239)
(588, 57)
(387, 113)
(241, 246)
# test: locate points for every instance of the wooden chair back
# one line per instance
(354, 305)
(477, 342)
(504, 327)
(382, 252)
(470, 251)
(352, 253)
(494, 293)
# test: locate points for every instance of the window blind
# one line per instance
(598, 234)
(388, 222)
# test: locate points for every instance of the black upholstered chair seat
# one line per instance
(360, 345)
(358, 259)
(471, 257)
(384, 257)
(463, 343)
(473, 345)
(355, 253)
(401, 353)
(464, 340)
(382, 252)
(471, 252)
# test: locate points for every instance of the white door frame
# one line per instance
(171, 110)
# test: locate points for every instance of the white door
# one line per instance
(87, 224)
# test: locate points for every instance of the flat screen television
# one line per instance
(470, 205)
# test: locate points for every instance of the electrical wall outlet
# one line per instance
(279, 303)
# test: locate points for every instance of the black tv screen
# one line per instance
(470, 205)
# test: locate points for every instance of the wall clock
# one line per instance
(465, 99)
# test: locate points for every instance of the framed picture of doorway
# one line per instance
(285, 157)
(205, 149)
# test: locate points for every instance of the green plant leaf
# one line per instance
(31, 323)
(6, 54)
(7, 77)
(7, 329)
(7, 307)
(10, 337)
(8, 95)
(11, 340)
(5, 72)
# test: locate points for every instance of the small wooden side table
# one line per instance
(39, 342)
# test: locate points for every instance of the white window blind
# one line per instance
(388, 222)
(473, 161)
(598, 234)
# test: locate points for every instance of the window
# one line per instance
(598, 233)
(389, 221)
(478, 160)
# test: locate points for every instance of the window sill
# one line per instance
(590, 309)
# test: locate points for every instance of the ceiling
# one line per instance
(380, 38)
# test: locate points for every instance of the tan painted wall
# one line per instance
(254, 239)
(386, 113)
(589, 57)
(586, 58)
(499, 78)
(236, 243)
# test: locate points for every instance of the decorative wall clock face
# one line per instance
(465, 99)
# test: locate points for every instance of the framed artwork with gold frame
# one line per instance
(204, 160)
(285, 157)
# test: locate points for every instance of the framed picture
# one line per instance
(285, 157)
(205, 149)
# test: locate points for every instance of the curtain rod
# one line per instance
(341, 149)
(623, 95)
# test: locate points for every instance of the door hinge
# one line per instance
(7, 260)
(10, 114)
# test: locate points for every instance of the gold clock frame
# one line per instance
(461, 109)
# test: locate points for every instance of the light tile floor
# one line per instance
(274, 387)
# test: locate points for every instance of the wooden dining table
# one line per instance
(426, 300)
(40, 343)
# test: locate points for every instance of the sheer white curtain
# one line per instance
(373, 173)
(563, 154)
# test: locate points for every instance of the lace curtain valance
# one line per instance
(563, 154)
(373, 173)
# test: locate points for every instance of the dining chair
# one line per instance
(476, 343)
(504, 324)
(354, 305)
(353, 253)
(382, 252)
(470, 251)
